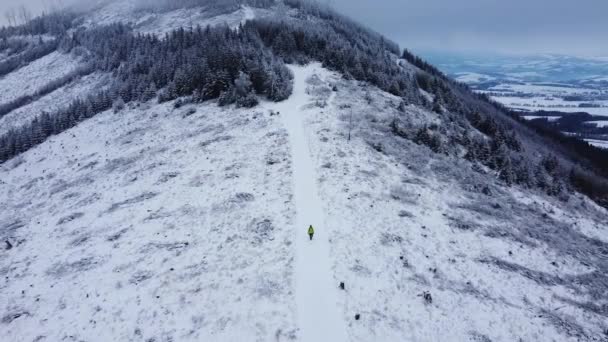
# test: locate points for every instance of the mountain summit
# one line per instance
(163, 161)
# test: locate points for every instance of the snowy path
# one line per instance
(318, 316)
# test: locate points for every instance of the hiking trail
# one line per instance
(318, 316)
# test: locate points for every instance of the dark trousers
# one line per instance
(311, 236)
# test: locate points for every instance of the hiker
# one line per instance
(311, 232)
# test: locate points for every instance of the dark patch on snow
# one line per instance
(405, 213)
(242, 197)
(360, 269)
(566, 325)
(62, 269)
(80, 240)
(197, 181)
(9, 229)
(176, 247)
(238, 200)
(388, 239)
(70, 218)
(510, 234)
(537, 276)
(487, 210)
(461, 223)
(263, 231)
(171, 246)
(88, 200)
(266, 288)
(140, 276)
(194, 271)
(593, 284)
(428, 298)
(167, 176)
(121, 164)
(70, 195)
(31, 183)
(11, 316)
(404, 196)
(219, 139)
(137, 199)
(420, 279)
(62, 185)
(587, 306)
(478, 337)
(89, 166)
(158, 214)
(272, 161)
(117, 235)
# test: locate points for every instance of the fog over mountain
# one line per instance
(519, 26)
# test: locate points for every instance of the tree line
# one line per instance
(210, 63)
(575, 164)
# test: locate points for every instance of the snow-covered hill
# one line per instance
(158, 223)
(186, 221)
(146, 21)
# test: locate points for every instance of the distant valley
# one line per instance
(563, 92)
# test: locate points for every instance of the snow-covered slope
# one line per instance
(188, 222)
(54, 101)
(30, 78)
(159, 23)
(403, 222)
(151, 223)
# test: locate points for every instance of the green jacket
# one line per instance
(311, 230)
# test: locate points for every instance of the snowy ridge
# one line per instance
(318, 316)
(54, 101)
(404, 222)
(28, 79)
(161, 23)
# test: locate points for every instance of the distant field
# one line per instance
(598, 143)
(533, 83)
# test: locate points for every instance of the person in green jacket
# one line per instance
(311, 232)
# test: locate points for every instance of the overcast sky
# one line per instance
(575, 27)
(578, 27)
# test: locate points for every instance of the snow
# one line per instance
(28, 79)
(598, 123)
(538, 103)
(162, 23)
(598, 143)
(248, 14)
(151, 224)
(548, 118)
(156, 224)
(390, 215)
(167, 22)
(543, 90)
(602, 111)
(318, 316)
(472, 77)
(54, 101)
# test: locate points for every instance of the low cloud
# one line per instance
(490, 26)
